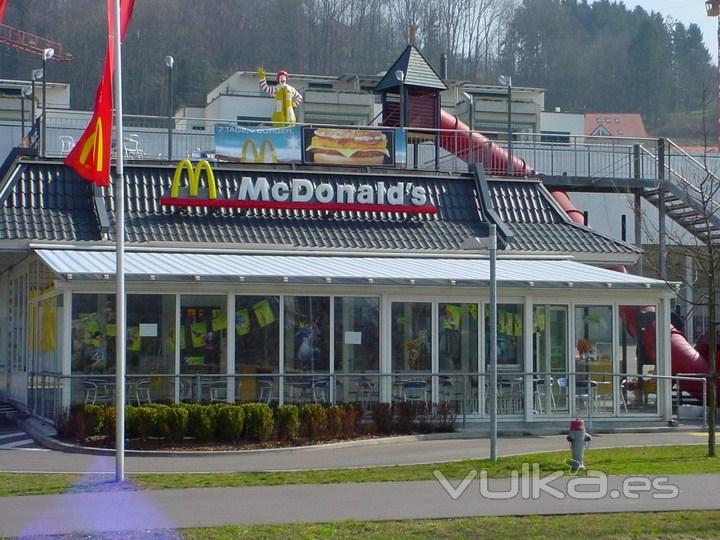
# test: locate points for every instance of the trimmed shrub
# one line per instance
(258, 421)
(230, 423)
(109, 422)
(78, 425)
(287, 422)
(313, 419)
(172, 422)
(382, 417)
(444, 419)
(201, 422)
(349, 420)
(334, 416)
(405, 416)
(140, 422)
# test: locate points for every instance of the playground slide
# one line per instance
(466, 144)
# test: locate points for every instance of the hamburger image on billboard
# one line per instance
(339, 146)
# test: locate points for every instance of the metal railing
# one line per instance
(194, 137)
(521, 395)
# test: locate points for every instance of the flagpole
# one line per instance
(120, 322)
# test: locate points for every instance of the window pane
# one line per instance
(458, 337)
(637, 355)
(357, 350)
(594, 358)
(509, 336)
(93, 333)
(411, 336)
(151, 346)
(550, 358)
(203, 334)
(357, 344)
(257, 346)
(307, 329)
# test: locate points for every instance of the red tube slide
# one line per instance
(473, 146)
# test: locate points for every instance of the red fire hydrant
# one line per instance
(578, 439)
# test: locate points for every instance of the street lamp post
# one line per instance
(490, 244)
(471, 124)
(47, 55)
(169, 62)
(400, 76)
(506, 80)
(36, 75)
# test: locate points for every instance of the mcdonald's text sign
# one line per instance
(294, 193)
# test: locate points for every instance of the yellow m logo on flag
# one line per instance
(94, 145)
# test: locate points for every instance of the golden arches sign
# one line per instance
(193, 176)
(258, 156)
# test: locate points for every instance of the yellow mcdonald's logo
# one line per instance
(193, 176)
(258, 156)
(94, 142)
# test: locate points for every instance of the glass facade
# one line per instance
(291, 348)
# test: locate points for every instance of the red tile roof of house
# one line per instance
(615, 125)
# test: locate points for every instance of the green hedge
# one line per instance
(287, 422)
(253, 422)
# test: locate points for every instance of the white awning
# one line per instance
(168, 266)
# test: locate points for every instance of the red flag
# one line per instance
(91, 155)
(3, 5)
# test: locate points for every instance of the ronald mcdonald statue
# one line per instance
(286, 97)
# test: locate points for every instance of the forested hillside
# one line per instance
(596, 56)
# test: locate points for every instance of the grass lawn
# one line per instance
(666, 525)
(685, 525)
(645, 460)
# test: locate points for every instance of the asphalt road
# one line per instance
(382, 452)
(168, 509)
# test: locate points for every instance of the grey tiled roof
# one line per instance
(48, 201)
(418, 72)
(44, 204)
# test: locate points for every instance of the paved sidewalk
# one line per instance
(132, 510)
(373, 453)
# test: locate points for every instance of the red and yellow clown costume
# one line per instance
(286, 97)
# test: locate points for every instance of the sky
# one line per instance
(686, 12)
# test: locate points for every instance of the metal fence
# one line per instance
(521, 396)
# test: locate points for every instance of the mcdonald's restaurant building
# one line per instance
(252, 282)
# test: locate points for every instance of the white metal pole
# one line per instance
(120, 322)
(493, 344)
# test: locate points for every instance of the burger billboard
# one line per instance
(348, 146)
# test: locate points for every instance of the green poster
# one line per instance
(452, 317)
(242, 322)
(264, 313)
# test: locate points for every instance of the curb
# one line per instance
(45, 435)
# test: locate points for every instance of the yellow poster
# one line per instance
(49, 328)
(242, 322)
(133, 338)
(198, 331)
(264, 313)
